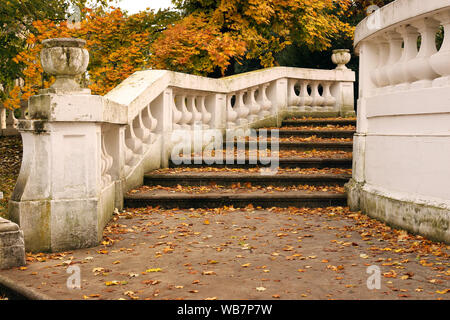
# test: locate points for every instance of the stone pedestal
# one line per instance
(12, 249)
(57, 198)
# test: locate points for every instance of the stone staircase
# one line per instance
(315, 160)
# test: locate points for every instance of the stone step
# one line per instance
(283, 133)
(283, 163)
(299, 199)
(230, 178)
(318, 122)
(303, 145)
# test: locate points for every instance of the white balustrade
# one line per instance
(399, 64)
(318, 101)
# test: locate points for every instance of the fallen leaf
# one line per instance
(153, 270)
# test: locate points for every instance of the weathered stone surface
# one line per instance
(402, 145)
(424, 217)
(12, 246)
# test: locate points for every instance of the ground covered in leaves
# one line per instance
(248, 253)
(10, 160)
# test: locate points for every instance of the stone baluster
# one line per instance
(187, 115)
(305, 99)
(107, 163)
(177, 115)
(380, 77)
(11, 121)
(206, 116)
(241, 109)
(132, 141)
(420, 67)
(232, 115)
(264, 101)
(395, 41)
(440, 61)
(399, 73)
(141, 131)
(192, 108)
(318, 100)
(253, 105)
(149, 122)
(293, 98)
(330, 101)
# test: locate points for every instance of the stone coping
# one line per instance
(143, 87)
(397, 12)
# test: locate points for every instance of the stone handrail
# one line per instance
(402, 146)
(83, 152)
(389, 40)
(180, 101)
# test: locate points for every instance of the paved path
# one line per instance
(231, 253)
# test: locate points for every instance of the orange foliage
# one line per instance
(196, 46)
(117, 46)
(204, 41)
(265, 27)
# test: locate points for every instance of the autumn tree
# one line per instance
(266, 27)
(195, 46)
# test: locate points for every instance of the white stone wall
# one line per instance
(402, 147)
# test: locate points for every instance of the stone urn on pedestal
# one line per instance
(65, 58)
(61, 200)
(341, 57)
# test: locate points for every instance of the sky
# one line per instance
(134, 6)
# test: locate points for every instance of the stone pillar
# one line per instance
(368, 61)
(343, 91)
(57, 200)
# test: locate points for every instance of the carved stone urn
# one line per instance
(65, 58)
(341, 57)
